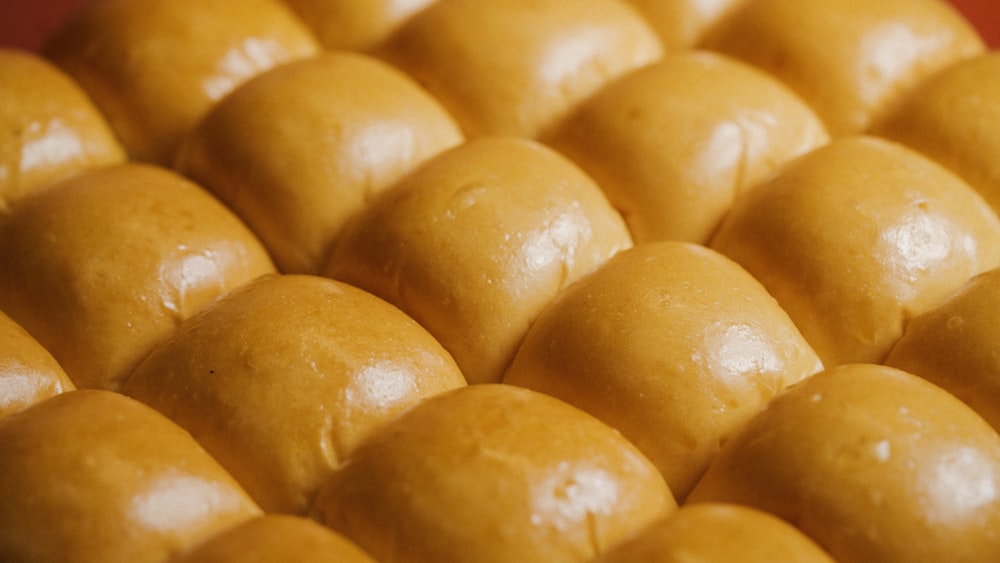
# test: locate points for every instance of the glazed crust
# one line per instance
(718, 532)
(105, 265)
(873, 463)
(683, 23)
(853, 60)
(110, 480)
(353, 25)
(49, 128)
(276, 537)
(474, 243)
(955, 346)
(295, 153)
(491, 473)
(672, 344)
(856, 238)
(515, 67)
(154, 67)
(672, 144)
(282, 378)
(954, 118)
(28, 372)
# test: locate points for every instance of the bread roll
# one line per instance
(873, 463)
(284, 377)
(276, 537)
(297, 151)
(49, 128)
(353, 25)
(681, 24)
(718, 533)
(856, 238)
(493, 473)
(93, 476)
(105, 265)
(955, 345)
(674, 142)
(154, 67)
(476, 241)
(28, 372)
(853, 60)
(515, 67)
(670, 343)
(954, 118)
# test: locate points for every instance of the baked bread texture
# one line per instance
(853, 60)
(873, 463)
(856, 238)
(49, 127)
(299, 150)
(489, 473)
(283, 378)
(474, 243)
(105, 265)
(110, 479)
(670, 343)
(154, 67)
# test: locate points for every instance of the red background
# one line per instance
(26, 23)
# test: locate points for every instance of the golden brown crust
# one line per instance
(93, 476)
(873, 463)
(514, 67)
(353, 25)
(476, 241)
(28, 372)
(103, 266)
(853, 60)
(276, 537)
(954, 118)
(955, 346)
(673, 143)
(718, 532)
(297, 151)
(489, 473)
(284, 377)
(682, 24)
(154, 67)
(49, 128)
(856, 238)
(670, 343)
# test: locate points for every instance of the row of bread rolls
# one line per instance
(475, 237)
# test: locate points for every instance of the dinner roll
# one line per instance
(353, 25)
(873, 463)
(515, 67)
(954, 118)
(718, 533)
(955, 345)
(674, 142)
(672, 344)
(682, 24)
(493, 473)
(154, 67)
(276, 537)
(93, 476)
(49, 128)
(298, 150)
(856, 238)
(28, 372)
(853, 60)
(282, 378)
(106, 264)
(476, 241)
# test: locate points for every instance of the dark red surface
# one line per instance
(26, 23)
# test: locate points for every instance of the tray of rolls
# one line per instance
(453, 280)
